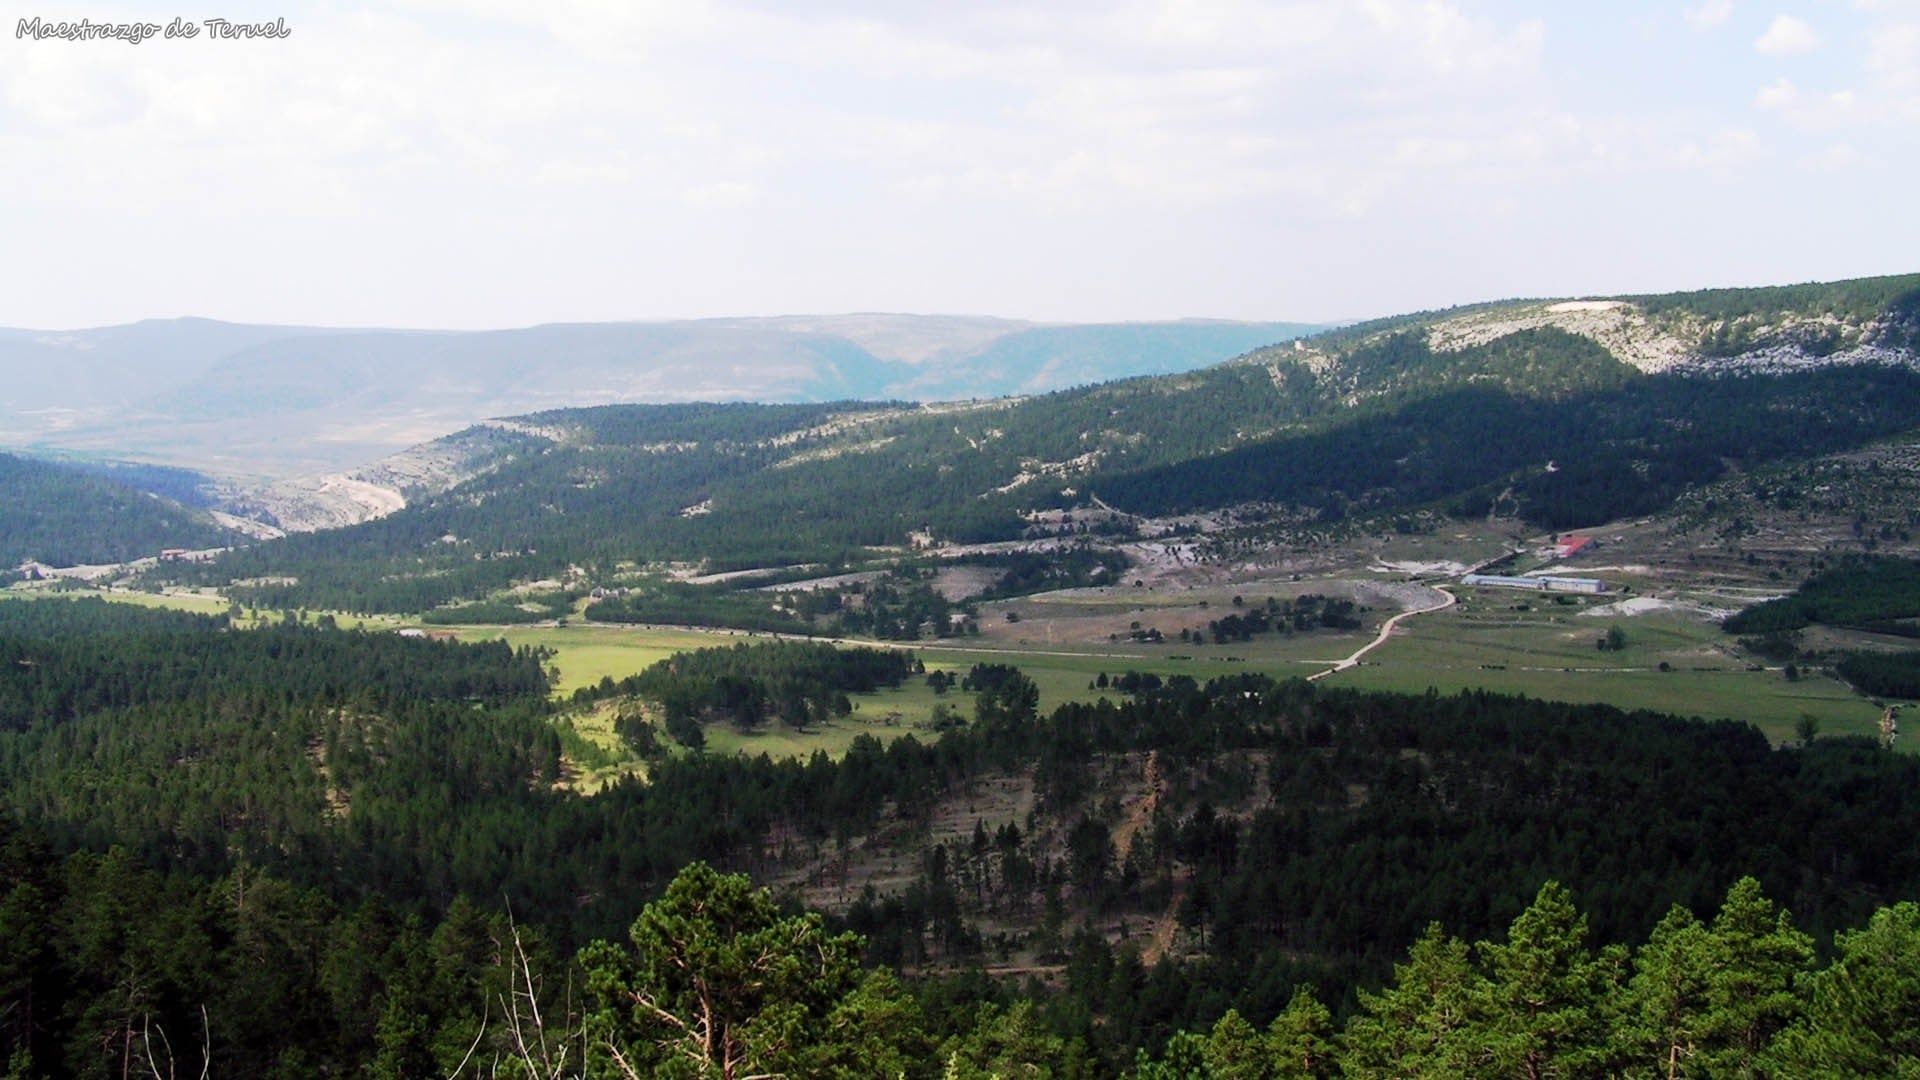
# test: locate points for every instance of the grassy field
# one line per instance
(586, 654)
(1496, 640)
(1065, 676)
(583, 655)
(1550, 652)
(206, 603)
(200, 601)
(597, 756)
(886, 716)
(593, 751)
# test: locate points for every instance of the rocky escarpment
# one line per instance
(1774, 331)
(336, 500)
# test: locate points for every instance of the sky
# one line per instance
(487, 163)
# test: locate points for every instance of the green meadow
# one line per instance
(1494, 640)
(1551, 651)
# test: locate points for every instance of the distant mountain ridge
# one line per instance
(1562, 411)
(286, 400)
(1391, 414)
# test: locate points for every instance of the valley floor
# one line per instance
(1665, 598)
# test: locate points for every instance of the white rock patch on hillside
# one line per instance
(1616, 325)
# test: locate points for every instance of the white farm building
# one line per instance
(1539, 584)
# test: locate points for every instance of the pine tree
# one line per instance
(1300, 1040)
(1863, 1011)
(720, 983)
(1431, 1022)
(1665, 1011)
(1235, 1051)
(1549, 995)
(1758, 956)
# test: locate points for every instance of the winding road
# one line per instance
(1386, 631)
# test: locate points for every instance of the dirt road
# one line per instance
(1386, 630)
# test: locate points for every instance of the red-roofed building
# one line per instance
(1568, 546)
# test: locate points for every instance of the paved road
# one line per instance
(1386, 631)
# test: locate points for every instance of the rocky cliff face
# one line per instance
(1792, 328)
(336, 500)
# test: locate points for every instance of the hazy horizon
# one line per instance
(666, 319)
(469, 164)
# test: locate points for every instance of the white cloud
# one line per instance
(1725, 149)
(1839, 157)
(1819, 115)
(1780, 94)
(1894, 55)
(483, 161)
(1786, 36)
(724, 194)
(1709, 14)
(1879, 104)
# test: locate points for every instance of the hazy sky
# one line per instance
(477, 163)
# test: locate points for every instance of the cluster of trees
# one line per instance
(108, 968)
(719, 982)
(441, 574)
(901, 606)
(1542, 362)
(676, 604)
(1736, 995)
(1857, 300)
(896, 609)
(798, 683)
(1410, 809)
(1025, 572)
(1742, 319)
(1866, 592)
(183, 486)
(64, 516)
(1882, 674)
(1129, 682)
(1004, 698)
(111, 968)
(369, 761)
(69, 659)
(371, 764)
(1298, 615)
(1359, 819)
(506, 610)
(201, 748)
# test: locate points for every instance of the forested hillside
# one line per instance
(1613, 453)
(1562, 414)
(312, 805)
(62, 516)
(1866, 593)
(1877, 595)
(736, 486)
